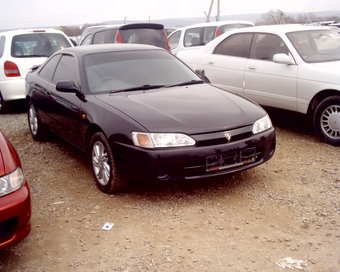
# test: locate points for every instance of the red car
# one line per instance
(15, 200)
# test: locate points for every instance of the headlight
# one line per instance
(262, 124)
(154, 140)
(11, 182)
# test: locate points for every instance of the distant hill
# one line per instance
(180, 22)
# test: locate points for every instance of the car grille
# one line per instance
(7, 229)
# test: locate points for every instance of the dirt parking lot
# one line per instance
(281, 216)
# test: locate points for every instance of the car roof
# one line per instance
(112, 47)
(278, 29)
(125, 26)
(27, 31)
(218, 23)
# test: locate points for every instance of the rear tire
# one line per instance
(37, 129)
(107, 176)
(327, 120)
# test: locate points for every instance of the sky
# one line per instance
(38, 13)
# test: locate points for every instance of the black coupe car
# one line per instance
(141, 113)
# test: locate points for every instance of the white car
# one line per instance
(291, 67)
(195, 36)
(19, 51)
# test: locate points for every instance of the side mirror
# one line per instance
(66, 86)
(283, 59)
(201, 74)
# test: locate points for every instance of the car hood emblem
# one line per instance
(228, 136)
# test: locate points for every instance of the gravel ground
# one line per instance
(283, 215)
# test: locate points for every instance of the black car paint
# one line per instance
(163, 110)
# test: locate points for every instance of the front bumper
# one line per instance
(196, 161)
(15, 216)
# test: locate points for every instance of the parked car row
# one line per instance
(195, 36)
(290, 67)
(139, 107)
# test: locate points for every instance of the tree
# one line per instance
(277, 17)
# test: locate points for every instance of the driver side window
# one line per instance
(265, 46)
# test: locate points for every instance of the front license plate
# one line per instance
(229, 160)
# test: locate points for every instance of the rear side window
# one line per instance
(192, 37)
(37, 44)
(98, 37)
(155, 37)
(237, 45)
(110, 35)
(47, 71)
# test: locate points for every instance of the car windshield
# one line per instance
(316, 45)
(135, 70)
(37, 44)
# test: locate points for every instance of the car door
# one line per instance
(268, 83)
(225, 66)
(65, 108)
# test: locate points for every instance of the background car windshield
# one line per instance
(38, 44)
(115, 71)
(316, 45)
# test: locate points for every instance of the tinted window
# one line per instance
(114, 71)
(66, 70)
(47, 71)
(98, 37)
(38, 44)
(237, 45)
(110, 35)
(265, 46)
(174, 39)
(155, 37)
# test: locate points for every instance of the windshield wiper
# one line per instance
(139, 88)
(191, 82)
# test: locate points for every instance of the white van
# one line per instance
(195, 36)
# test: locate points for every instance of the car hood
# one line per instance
(334, 65)
(188, 109)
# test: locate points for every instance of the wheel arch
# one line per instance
(317, 100)
(91, 130)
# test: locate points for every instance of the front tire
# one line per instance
(327, 120)
(107, 175)
(37, 129)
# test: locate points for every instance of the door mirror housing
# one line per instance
(283, 59)
(68, 86)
